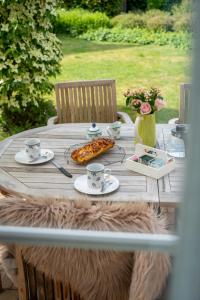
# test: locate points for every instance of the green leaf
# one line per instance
(5, 27)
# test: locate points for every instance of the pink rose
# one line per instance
(145, 108)
(159, 103)
(136, 102)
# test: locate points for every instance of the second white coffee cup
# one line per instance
(96, 175)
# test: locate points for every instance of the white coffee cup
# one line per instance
(114, 130)
(96, 175)
(33, 149)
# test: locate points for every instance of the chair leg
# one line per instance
(22, 285)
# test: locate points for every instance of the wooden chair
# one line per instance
(75, 274)
(87, 101)
(35, 285)
(185, 91)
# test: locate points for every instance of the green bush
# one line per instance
(160, 23)
(77, 21)
(183, 23)
(134, 36)
(139, 36)
(15, 119)
(155, 12)
(183, 16)
(129, 20)
(29, 55)
(110, 7)
(153, 20)
(158, 20)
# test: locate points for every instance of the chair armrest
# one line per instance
(174, 121)
(52, 121)
(125, 117)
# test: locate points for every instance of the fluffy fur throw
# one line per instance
(95, 275)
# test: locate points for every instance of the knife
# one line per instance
(61, 169)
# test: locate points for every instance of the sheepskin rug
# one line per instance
(95, 275)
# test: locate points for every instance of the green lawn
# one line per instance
(132, 67)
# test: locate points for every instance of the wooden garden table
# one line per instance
(45, 180)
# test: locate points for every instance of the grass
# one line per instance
(132, 66)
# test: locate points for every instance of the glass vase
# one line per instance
(145, 127)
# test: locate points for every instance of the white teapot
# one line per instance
(93, 132)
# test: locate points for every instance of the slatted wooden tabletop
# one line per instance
(45, 180)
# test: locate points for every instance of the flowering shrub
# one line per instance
(144, 102)
(29, 56)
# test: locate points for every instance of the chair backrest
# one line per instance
(185, 93)
(86, 101)
(35, 285)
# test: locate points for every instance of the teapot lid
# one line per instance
(93, 128)
(116, 124)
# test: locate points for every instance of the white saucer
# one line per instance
(22, 158)
(80, 184)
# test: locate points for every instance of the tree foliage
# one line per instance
(152, 4)
(136, 5)
(110, 7)
(155, 4)
(29, 51)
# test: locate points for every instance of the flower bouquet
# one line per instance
(145, 103)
